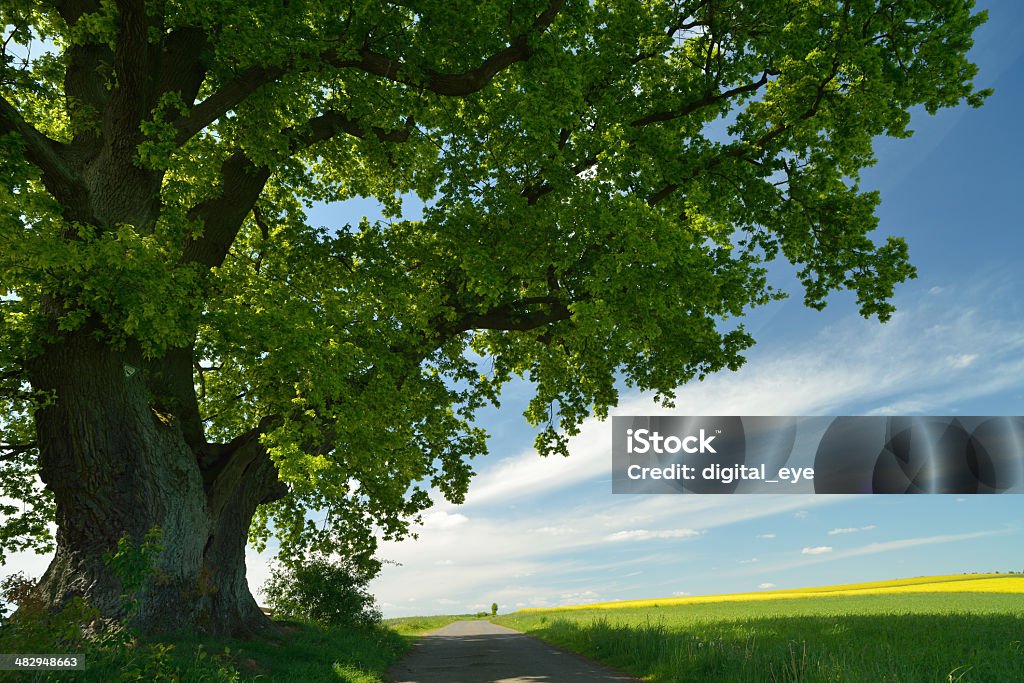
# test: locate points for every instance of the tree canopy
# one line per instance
(603, 183)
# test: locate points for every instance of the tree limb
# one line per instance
(222, 217)
(224, 100)
(243, 181)
(72, 10)
(459, 84)
(330, 123)
(516, 316)
(181, 66)
(225, 464)
(10, 452)
(131, 98)
(707, 100)
(741, 150)
(47, 155)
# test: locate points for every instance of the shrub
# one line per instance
(323, 591)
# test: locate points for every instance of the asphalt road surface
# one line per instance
(482, 652)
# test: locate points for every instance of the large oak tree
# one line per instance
(604, 181)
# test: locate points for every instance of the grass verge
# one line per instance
(299, 653)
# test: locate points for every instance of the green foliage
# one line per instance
(135, 565)
(494, 609)
(605, 182)
(910, 637)
(323, 591)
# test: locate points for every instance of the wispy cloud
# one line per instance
(766, 536)
(766, 585)
(884, 547)
(817, 550)
(851, 530)
(646, 535)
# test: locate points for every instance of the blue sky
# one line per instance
(543, 532)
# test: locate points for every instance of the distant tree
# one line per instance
(181, 347)
(494, 609)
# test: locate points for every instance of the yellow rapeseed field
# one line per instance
(956, 583)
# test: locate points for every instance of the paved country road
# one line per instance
(482, 652)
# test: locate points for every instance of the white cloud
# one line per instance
(801, 514)
(752, 560)
(962, 360)
(920, 359)
(645, 535)
(681, 594)
(851, 530)
(440, 519)
(500, 554)
(766, 585)
(817, 550)
(888, 546)
(556, 530)
(528, 474)
(766, 536)
(588, 596)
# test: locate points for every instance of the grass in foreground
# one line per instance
(300, 653)
(910, 636)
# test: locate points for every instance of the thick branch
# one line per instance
(224, 100)
(331, 123)
(48, 156)
(222, 217)
(227, 464)
(10, 452)
(71, 10)
(171, 381)
(243, 181)
(181, 64)
(132, 96)
(518, 316)
(459, 84)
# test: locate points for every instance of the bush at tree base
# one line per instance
(329, 592)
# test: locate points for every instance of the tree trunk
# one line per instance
(119, 465)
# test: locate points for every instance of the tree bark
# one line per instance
(118, 466)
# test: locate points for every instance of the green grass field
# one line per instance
(966, 632)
